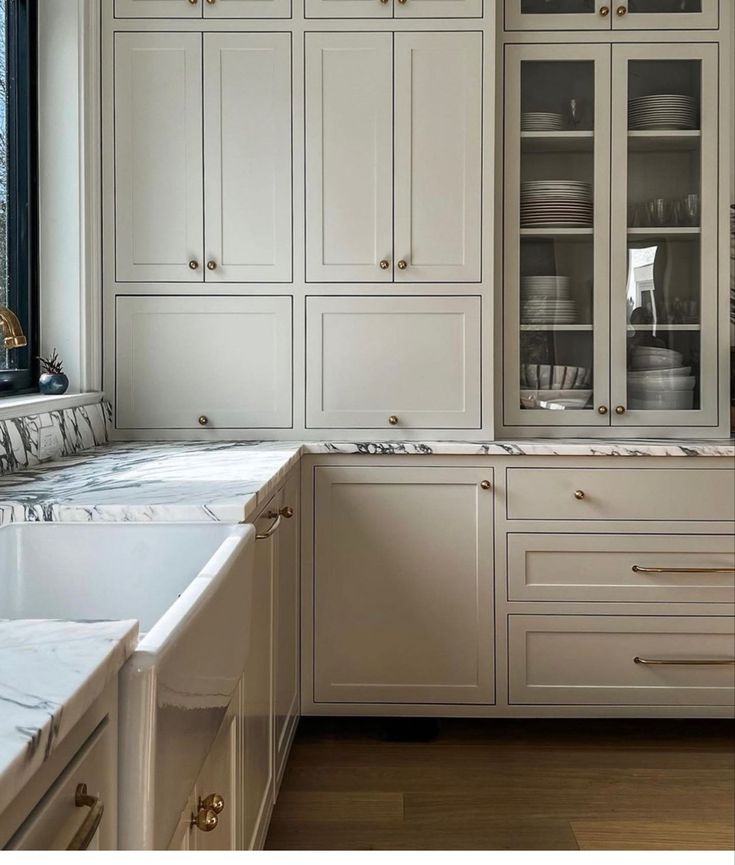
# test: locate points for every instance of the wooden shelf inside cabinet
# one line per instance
(683, 233)
(556, 328)
(557, 142)
(664, 140)
(559, 233)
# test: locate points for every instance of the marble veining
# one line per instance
(75, 429)
(50, 674)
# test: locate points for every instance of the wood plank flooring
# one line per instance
(364, 784)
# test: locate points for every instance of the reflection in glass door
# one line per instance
(557, 15)
(556, 236)
(665, 14)
(664, 268)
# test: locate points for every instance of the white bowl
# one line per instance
(652, 362)
(675, 400)
(661, 384)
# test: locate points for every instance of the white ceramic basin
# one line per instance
(189, 586)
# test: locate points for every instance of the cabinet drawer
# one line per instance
(388, 362)
(226, 360)
(620, 494)
(577, 660)
(54, 821)
(643, 568)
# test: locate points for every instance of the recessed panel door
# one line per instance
(349, 157)
(247, 8)
(349, 8)
(438, 9)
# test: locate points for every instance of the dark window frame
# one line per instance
(22, 192)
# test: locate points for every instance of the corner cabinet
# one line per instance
(611, 218)
(610, 15)
(393, 157)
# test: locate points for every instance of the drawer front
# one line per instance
(243, 375)
(620, 494)
(642, 568)
(392, 363)
(590, 660)
(54, 821)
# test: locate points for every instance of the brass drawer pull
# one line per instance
(579, 495)
(276, 516)
(638, 569)
(86, 832)
(688, 662)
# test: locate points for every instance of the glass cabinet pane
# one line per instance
(557, 15)
(660, 7)
(663, 291)
(557, 7)
(551, 175)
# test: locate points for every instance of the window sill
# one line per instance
(36, 403)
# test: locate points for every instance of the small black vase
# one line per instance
(53, 383)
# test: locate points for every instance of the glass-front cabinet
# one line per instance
(610, 236)
(607, 15)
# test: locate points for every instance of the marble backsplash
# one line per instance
(27, 441)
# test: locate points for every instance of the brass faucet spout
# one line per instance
(14, 336)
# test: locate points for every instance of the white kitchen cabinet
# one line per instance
(286, 624)
(393, 131)
(438, 156)
(257, 684)
(159, 219)
(438, 8)
(349, 157)
(202, 8)
(402, 587)
(393, 8)
(247, 157)
(247, 8)
(238, 362)
(374, 363)
(348, 8)
(606, 15)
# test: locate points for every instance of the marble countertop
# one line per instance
(50, 674)
(229, 481)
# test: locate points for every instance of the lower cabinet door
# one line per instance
(203, 362)
(217, 790)
(621, 660)
(257, 685)
(384, 362)
(286, 626)
(403, 585)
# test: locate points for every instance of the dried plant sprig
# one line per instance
(52, 364)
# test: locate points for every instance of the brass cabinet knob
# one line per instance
(384, 264)
(579, 495)
(384, 1)
(402, 2)
(203, 420)
(193, 264)
(193, 2)
(205, 820)
(287, 512)
(212, 265)
(393, 420)
(604, 11)
(402, 265)
(486, 485)
(619, 409)
(620, 11)
(213, 802)
(211, 2)
(602, 409)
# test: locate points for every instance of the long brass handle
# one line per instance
(86, 832)
(639, 569)
(273, 528)
(686, 662)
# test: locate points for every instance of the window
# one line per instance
(18, 194)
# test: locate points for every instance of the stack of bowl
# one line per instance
(657, 381)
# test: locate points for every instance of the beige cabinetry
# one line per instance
(377, 9)
(610, 15)
(401, 592)
(203, 8)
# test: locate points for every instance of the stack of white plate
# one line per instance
(657, 381)
(541, 121)
(533, 287)
(664, 111)
(556, 203)
(548, 311)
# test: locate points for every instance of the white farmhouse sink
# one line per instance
(189, 586)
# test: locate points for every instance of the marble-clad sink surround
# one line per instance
(50, 674)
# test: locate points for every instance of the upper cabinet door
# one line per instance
(349, 157)
(438, 156)
(438, 9)
(158, 8)
(247, 8)
(247, 145)
(349, 8)
(664, 262)
(666, 14)
(558, 14)
(158, 157)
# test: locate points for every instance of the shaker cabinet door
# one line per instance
(438, 156)
(349, 159)
(158, 9)
(438, 9)
(203, 362)
(349, 8)
(247, 9)
(219, 777)
(159, 221)
(247, 147)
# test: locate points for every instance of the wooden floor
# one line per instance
(368, 784)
